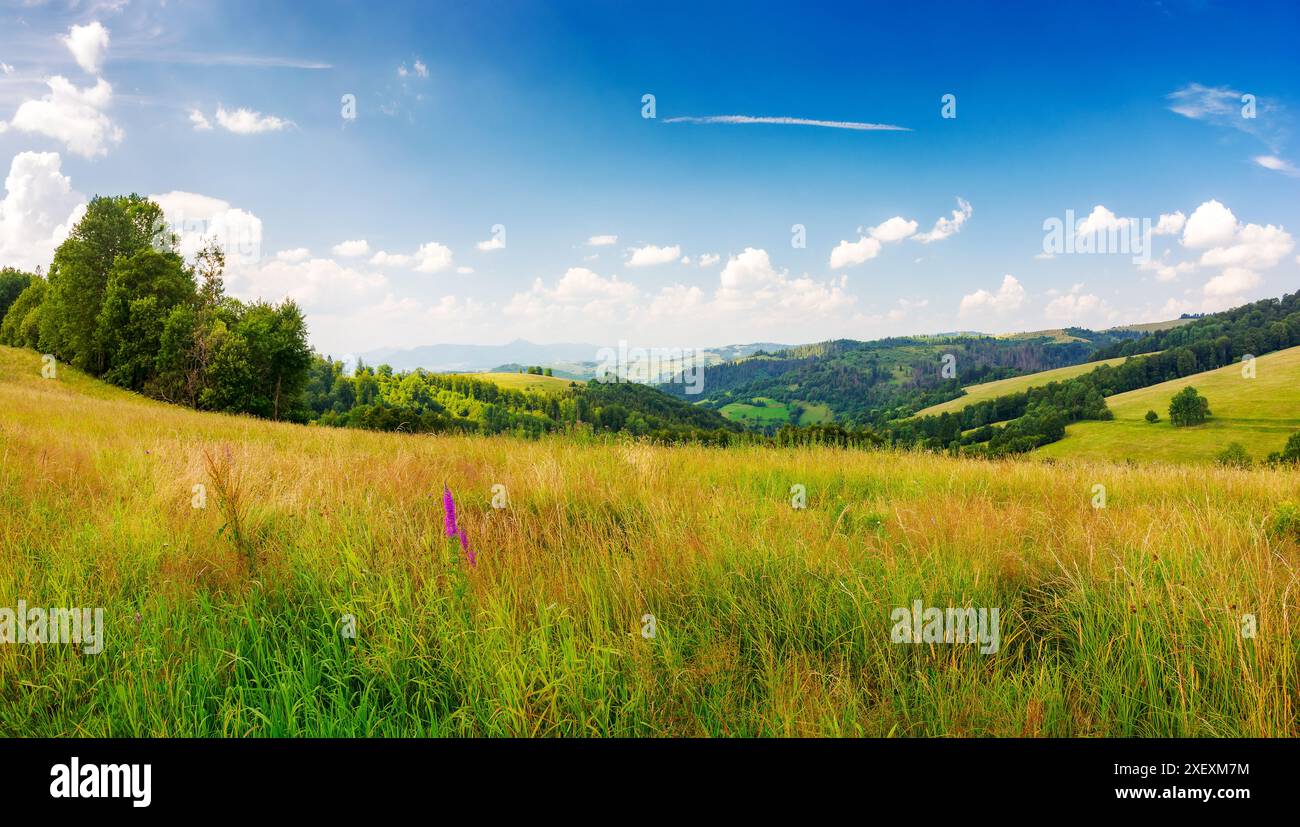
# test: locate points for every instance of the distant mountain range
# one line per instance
(566, 358)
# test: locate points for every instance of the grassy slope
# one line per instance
(525, 381)
(1259, 413)
(1016, 384)
(770, 621)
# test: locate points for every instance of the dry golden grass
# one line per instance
(769, 620)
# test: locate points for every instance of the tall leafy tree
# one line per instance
(78, 280)
(12, 284)
(143, 289)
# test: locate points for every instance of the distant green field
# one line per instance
(524, 381)
(1259, 413)
(771, 412)
(1016, 384)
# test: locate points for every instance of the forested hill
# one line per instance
(1259, 327)
(877, 381)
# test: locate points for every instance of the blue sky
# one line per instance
(528, 118)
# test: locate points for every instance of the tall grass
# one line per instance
(769, 620)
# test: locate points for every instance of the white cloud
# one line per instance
(895, 229)
(1078, 308)
(418, 69)
(432, 258)
(1252, 246)
(295, 255)
(1170, 224)
(1101, 220)
(1210, 225)
(464, 271)
(602, 240)
(1277, 165)
(198, 219)
(351, 249)
(786, 121)
(243, 121)
(493, 243)
(319, 285)
(384, 259)
(850, 253)
(1009, 298)
(200, 121)
(38, 210)
(750, 283)
(73, 116)
(946, 226)
(1231, 282)
(88, 45)
(6, 69)
(650, 255)
(708, 259)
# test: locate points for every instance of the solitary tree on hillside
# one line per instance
(1188, 408)
(1153, 417)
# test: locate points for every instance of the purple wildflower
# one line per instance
(464, 546)
(449, 512)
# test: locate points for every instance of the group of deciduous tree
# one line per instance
(121, 303)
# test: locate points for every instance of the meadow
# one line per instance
(1015, 384)
(1260, 413)
(766, 619)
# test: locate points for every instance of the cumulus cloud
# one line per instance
(385, 259)
(319, 285)
(198, 219)
(432, 258)
(1009, 297)
(708, 259)
(351, 249)
(945, 225)
(602, 241)
(71, 115)
(1211, 224)
(650, 255)
(749, 282)
(850, 253)
(200, 121)
(1101, 220)
(493, 243)
(243, 121)
(88, 45)
(38, 210)
(1170, 224)
(895, 229)
(295, 255)
(1231, 282)
(1078, 308)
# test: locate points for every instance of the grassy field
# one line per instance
(768, 620)
(772, 412)
(525, 381)
(1259, 413)
(1016, 384)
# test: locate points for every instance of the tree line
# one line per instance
(120, 303)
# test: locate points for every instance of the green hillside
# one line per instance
(1259, 413)
(524, 381)
(1016, 384)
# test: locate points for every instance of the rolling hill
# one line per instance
(1259, 413)
(1016, 384)
(263, 579)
